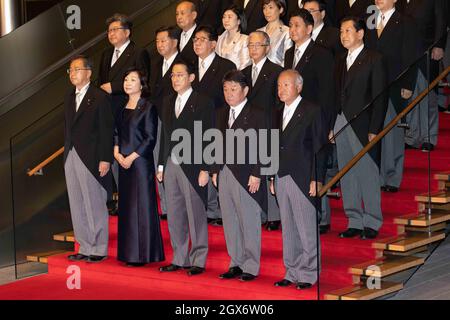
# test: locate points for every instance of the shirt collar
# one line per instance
(185, 96)
(291, 107)
(171, 59)
(260, 64)
(208, 60)
(190, 31)
(83, 90)
(123, 47)
(303, 46)
(356, 52)
(239, 107)
(316, 31)
(387, 15)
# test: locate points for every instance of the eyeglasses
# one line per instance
(178, 75)
(312, 10)
(115, 29)
(256, 45)
(76, 70)
(202, 40)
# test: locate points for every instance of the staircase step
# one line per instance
(43, 257)
(386, 266)
(444, 185)
(408, 242)
(64, 237)
(442, 176)
(433, 228)
(422, 220)
(361, 292)
(441, 197)
(435, 207)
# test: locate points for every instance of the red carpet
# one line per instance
(113, 280)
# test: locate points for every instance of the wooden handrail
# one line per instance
(45, 162)
(381, 135)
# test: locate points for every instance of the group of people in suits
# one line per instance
(327, 91)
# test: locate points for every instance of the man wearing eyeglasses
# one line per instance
(208, 81)
(115, 61)
(262, 76)
(88, 153)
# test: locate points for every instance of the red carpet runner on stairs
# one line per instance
(113, 280)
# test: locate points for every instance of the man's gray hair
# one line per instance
(295, 74)
(264, 34)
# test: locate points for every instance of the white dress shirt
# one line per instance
(237, 110)
(203, 65)
(351, 56)
(316, 31)
(167, 63)
(186, 36)
(289, 111)
(302, 48)
(117, 54)
(351, 2)
(235, 50)
(259, 66)
(387, 15)
(184, 98)
(79, 96)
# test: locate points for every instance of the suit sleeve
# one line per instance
(145, 149)
(106, 130)
(379, 93)
(208, 120)
(326, 87)
(409, 45)
(440, 22)
(260, 124)
(163, 143)
(320, 146)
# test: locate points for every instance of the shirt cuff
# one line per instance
(160, 168)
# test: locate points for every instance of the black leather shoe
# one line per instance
(217, 223)
(95, 259)
(410, 147)
(273, 225)
(388, 188)
(112, 206)
(195, 270)
(135, 264)
(164, 216)
(233, 272)
(427, 147)
(350, 233)
(369, 233)
(77, 257)
(282, 283)
(303, 285)
(324, 229)
(169, 268)
(247, 277)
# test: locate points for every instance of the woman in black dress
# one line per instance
(139, 233)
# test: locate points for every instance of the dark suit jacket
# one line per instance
(365, 82)
(265, 94)
(197, 108)
(253, 13)
(251, 117)
(90, 131)
(329, 38)
(160, 87)
(397, 44)
(316, 67)
(210, 12)
(359, 9)
(133, 56)
(211, 84)
(300, 146)
(330, 16)
(188, 53)
(138, 134)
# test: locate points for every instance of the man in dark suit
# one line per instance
(253, 10)
(208, 82)
(242, 195)
(185, 177)
(161, 85)
(395, 39)
(303, 131)
(186, 15)
(430, 18)
(323, 34)
(356, 8)
(211, 11)
(361, 70)
(262, 76)
(88, 153)
(114, 63)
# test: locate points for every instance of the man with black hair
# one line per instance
(114, 63)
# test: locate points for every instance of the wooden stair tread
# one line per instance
(387, 266)
(64, 237)
(442, 176)
(441, 196)
(421, 220)
(43, 257)
(361, 292)
(408, 242)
